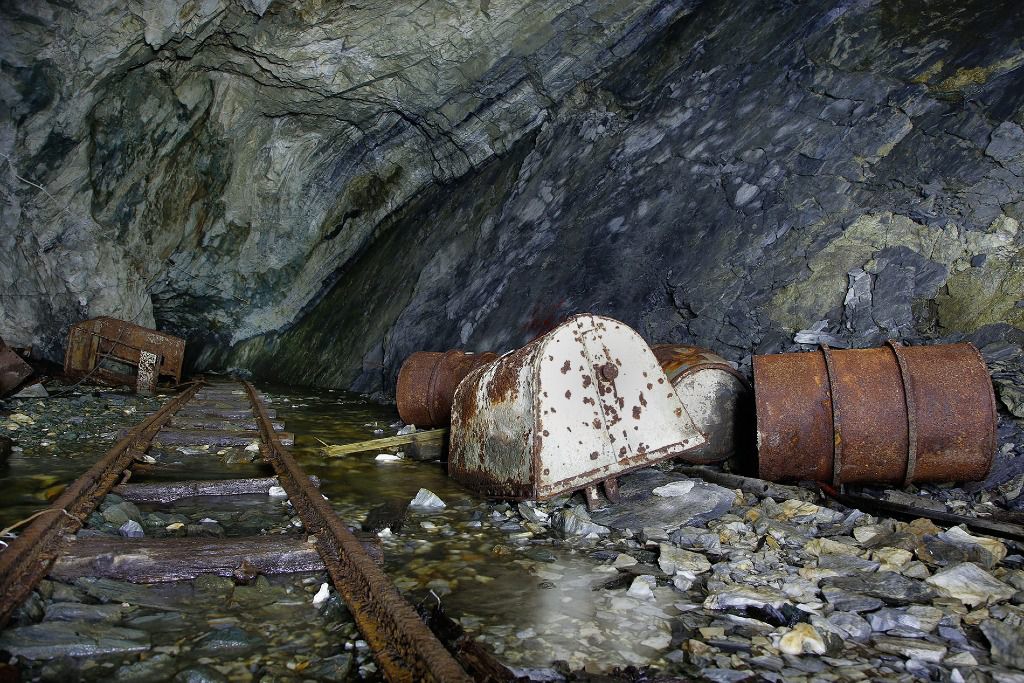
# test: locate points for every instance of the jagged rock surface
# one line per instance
(314, 192)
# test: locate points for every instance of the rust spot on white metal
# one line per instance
(500, 446)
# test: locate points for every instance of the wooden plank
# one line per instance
(218, 423)
(177, 559)
(428, 436)
(222, 411)
(209, 437)
(167, 492)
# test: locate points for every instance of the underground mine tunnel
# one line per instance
(512, 341)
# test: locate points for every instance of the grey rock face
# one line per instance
(312, 193)
(212, 162)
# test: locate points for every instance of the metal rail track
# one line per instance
(403, 645)
(28, 558)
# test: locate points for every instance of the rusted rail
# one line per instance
(403, 645)
(28, 558)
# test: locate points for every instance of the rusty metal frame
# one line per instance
(92, 341)
(28, 558)
(402, 644)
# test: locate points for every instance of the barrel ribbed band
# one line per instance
(837, 432)
(908, 397)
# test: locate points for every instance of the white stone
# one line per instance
(427, 500)
(684, 580)
(387, 457)
(642, 587)
(800, 639)
(254, 447)
(676, 488)
(742, 596)
(970, 584)
(277, 492)
(322, 595)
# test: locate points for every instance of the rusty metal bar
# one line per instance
(402, 644)
(1007, 530)
(28, 558)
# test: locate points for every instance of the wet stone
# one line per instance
(336, 668)
(30, 611)
(200, 674)
(911, 648)
(889, 587)
(426, 500)
(159, 667)
(232, 640)
(131, 529)
(72, 639)
(576, 522)
(540, 555)
(77, 611)
(119, 513)
(640, 508)
(672, 559)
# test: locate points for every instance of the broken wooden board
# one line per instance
(165, 493)
(218, 423)
(178, 559)
(209, 437)
(221, 410)
(430, 436)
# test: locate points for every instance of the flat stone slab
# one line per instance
(54, 639)
(640, 508)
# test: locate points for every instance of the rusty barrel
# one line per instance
(890, 415)
(427, 384)
(714, 395)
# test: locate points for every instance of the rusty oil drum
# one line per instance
(714, 394)
(427, 384)
(891, 415)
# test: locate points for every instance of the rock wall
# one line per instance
(312, 191)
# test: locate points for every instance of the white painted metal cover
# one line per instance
(583, 403)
